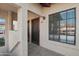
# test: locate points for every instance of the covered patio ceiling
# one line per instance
(9, 7)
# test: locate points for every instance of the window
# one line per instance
(62, 26)
(14, 25)
(2, 32)
(14, 21)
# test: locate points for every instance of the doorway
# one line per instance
(35, 31)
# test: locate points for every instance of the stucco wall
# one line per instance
(22, 26)
(62, 48)
(32, 16)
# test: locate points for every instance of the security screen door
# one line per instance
(2, 35)
(62, 26)
(35, 31)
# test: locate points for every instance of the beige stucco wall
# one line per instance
(22, 26)
(32, 16)
(62, 48)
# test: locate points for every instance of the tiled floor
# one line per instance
(35, 50)
(4, 55)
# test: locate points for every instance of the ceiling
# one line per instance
(8, 7)
(32, 15)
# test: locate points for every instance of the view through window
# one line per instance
(2, 32)
(62, 26)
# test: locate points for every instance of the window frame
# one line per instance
(66, 26)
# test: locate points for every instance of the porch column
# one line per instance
(22, 30)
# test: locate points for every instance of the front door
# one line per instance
(35, 31)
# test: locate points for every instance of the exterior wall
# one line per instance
(13, 35)
(36, 8)
(32, 16)
(62, 48)
(22, 27)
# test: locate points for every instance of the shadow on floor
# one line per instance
(35, 50)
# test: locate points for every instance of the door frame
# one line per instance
(39, 29)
